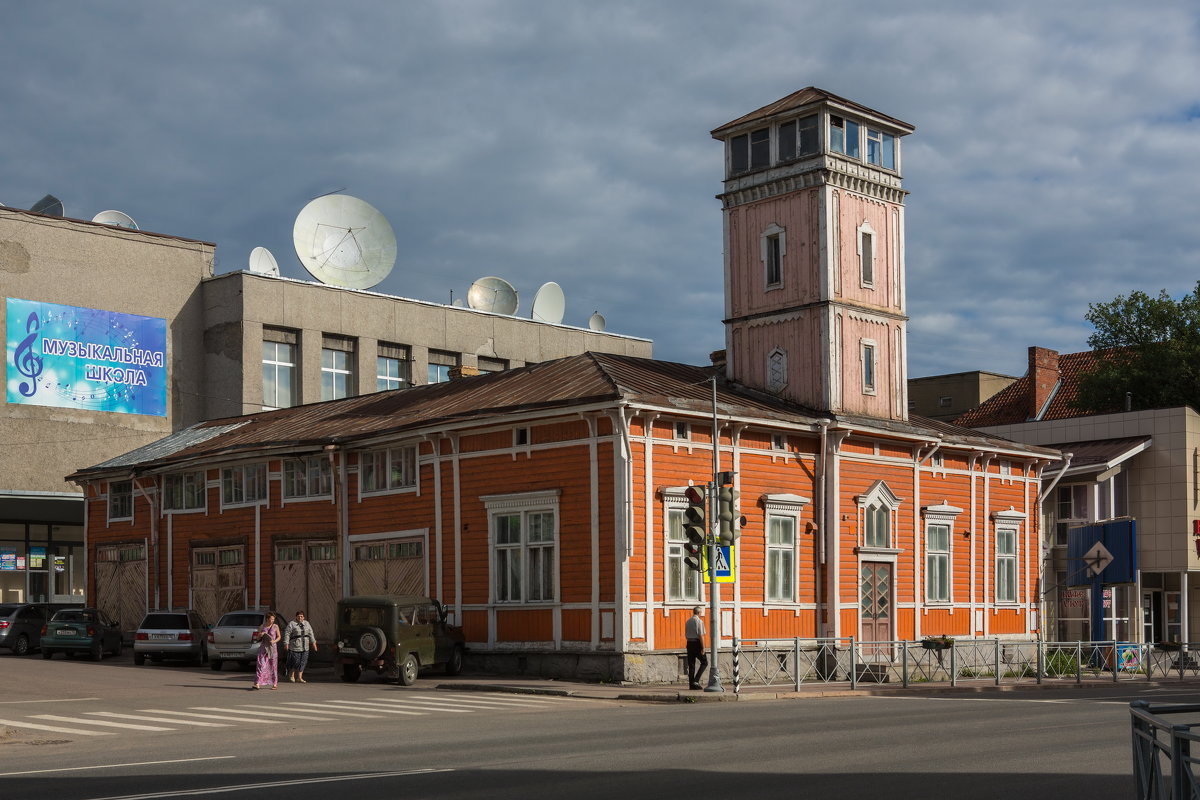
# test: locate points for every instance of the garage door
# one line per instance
(390, 566)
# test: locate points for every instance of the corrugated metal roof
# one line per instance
(587, 379)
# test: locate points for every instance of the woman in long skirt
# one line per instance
(266, 666)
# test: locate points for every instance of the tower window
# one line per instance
(774, 248)
(798, 138)
(868, 367)
(866, 255)
(843, 136)
(750, 151)
(881, 149)
(777, 368)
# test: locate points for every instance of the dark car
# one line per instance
(232, 638)
(21, 626)
(396, 635)
(81, 630)
(171, 634)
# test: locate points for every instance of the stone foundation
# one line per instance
(665, 667)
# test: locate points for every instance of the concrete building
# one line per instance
(545, 504)
(1136, 464)
(947, 397)
(117, 337)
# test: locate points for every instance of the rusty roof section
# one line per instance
(553, 386)
(103, 226)
(1014, 403)
(809, 95)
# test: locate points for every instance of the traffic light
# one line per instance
(729, 517)
(695, 528)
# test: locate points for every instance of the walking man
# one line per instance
(300, 639)
(694, 631)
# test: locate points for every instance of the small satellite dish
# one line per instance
(263, 262)
(344, 241)
(49, 205)
(549, 304)
(118, 218)
(596, 322)
(458, 303)
(493, 294)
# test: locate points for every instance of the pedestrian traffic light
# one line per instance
(729, 516)
(695, 527)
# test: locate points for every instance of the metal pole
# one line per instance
(714, 588)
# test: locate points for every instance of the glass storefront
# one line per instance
(41, 563)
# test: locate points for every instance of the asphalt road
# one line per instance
(326, 739)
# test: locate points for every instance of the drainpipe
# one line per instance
(1046, 493)
(153, 534)
(819, 515)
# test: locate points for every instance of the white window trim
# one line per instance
(291, 366)
(866, 229)
(521, 502)
(674, 500)
(863, 344)
(686, 433)
(413, 488)
(879, 492)
(202, 508)
(790, 506)
(1014, 520)
(241, 468)
(348, 372)
(109, 505)
(286, 498)
(943, 514)
(772, 230)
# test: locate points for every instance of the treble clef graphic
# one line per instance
(25, 360)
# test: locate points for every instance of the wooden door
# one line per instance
(121, 583)
(877, 615)
(306, 579)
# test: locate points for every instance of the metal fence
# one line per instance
(1163, 765)
(806, 661)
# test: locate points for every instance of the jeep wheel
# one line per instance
(406, 674)
(454, 664)
(371, 643)
(351, 672)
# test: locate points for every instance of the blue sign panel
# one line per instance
(70, 357)
(1105, 552)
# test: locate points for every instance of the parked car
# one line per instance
(21, 626)
(396, 636)
(179, 634)
(232, 638)
(80, 630)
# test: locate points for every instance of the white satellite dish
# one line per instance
(49, 205)
(344, 241)
(549, 304)
(596, 322)
(263, 262)
(118, 218)
(458, 303)
(493, 294)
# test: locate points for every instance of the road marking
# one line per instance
(158, 719)
(497, 702)
(206, 716)
(291, 715)
(114, 766)
(63, 700)
(126, 725)
(323, 708)
(36, 727)
(358, 705)
(272, 784)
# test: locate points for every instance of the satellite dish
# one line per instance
(49, 205)
(596, 322)
(458, 303)
(549, 304)
(263, 262)
(493, 294)
(344, 241)
(118, 218)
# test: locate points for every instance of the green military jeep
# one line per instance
(395, 635)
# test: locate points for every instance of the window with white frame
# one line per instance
(868, 359)
(798, 137)
(394, 468)
(183, 491)
(246, 483)
(337, 367)
(750, 151)
(280, 382)
(393, 367)
(440, 364)
(844, 136)
(1006, 564)
(777, 370)
(682, 582)
(683, 430)
(1073, 508)
(311, 476)
(778, 441)
(937, 562)
(877, 509)
(781, 558)
(866, 254)
(773, 245)
(524, 530)
(881, 149)
(120, 500)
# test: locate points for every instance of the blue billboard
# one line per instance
(69, 357)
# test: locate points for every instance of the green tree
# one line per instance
(1148, 347)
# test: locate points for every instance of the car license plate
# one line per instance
(66, 632)
(162, 636)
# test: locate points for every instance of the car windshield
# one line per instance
(240, 621)
(75, 616)
(178, 621)
(353, 615)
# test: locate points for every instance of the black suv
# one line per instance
(396, 635)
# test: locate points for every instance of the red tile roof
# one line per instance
(1015, 403)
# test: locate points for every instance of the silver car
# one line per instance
(171, 634)
(232, 638)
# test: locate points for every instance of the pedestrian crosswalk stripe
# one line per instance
(324, 709)
(195, 722)
(128, 725)
(239, 713)
(34, 726)
(425, 705)
(207, 716)
(489, 702)
(374, 708)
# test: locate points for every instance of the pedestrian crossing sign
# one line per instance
(726, 571)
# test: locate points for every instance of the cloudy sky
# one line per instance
(1056, 160)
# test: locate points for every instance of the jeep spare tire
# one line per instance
(371, 643)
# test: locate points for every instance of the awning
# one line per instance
(1101, 455)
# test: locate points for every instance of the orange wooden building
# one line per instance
(544, 504)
